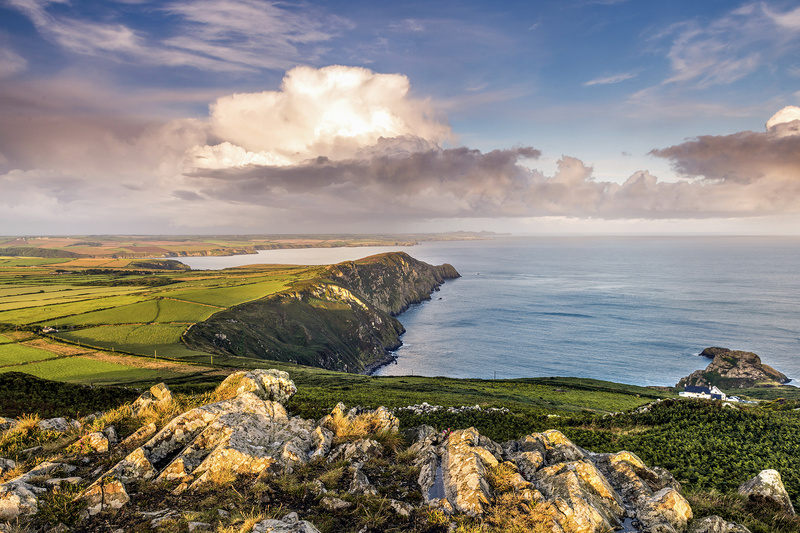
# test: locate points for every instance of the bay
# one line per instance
(633, 310)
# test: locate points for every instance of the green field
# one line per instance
(15, 354)
(224, 297)
(51, 314)
(158, 311)
(4, 339)
(136, 338)
(79, 370)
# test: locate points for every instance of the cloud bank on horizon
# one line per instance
(335, 148)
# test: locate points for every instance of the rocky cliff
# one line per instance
(350, 471)
(731, 369)
(342, 321)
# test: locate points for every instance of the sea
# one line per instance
(634, 310)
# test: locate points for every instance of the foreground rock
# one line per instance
(734, 369)
(249, 435)
(158, 396)
(768, 486)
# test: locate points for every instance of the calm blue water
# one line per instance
(627, 309)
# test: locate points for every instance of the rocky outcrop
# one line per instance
(290, 523)
(768, 486)
(19, 496)
(716, 524)
(344, 320)
(249, 437)
(158, 396)
(273, 385)
(734, 369)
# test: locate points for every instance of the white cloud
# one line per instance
(342, 147)
(732, 47)
(11, 63)
(607, 80)
(333, 112)
(224, 35)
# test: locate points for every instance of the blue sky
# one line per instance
(244, 115)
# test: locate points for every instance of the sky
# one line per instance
(355, 116)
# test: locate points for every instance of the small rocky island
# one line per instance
(734, 369)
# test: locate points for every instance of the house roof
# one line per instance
(698, 390)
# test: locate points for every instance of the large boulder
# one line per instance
(273, 385)
(58, 425)
(245, 434)
(107, 494)
(665, 511)
(464, 465)
(158, 396)
(579, 497)
(767, 486)
(19, 496)
(632, 478)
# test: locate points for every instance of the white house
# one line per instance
(707, 393)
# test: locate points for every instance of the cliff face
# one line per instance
(342, 321)
(734, 369)
(392, 281)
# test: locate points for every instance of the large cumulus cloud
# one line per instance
(344, 147)
(746, 172)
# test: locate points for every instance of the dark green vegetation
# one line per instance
(25, 394)
(19, 251)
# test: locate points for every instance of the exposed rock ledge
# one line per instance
(734, 369)
(250, 433)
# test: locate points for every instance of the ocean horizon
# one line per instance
(634, 310)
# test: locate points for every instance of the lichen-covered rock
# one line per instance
(273, 385)
(59, 425)
(158, 395)
(464, 472)
(579, 497)
(357, 451)
(19, 496)
(6, 465)
(18, 499)
(361, 484)
(106, 494)
(91, 443)
(332, 503)
(139, 436)
(289, 524)
(528, 462)
(716, 524)
(631, 477)
(111, 434)
(359, 421)
(665, 508)
(767, 485)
